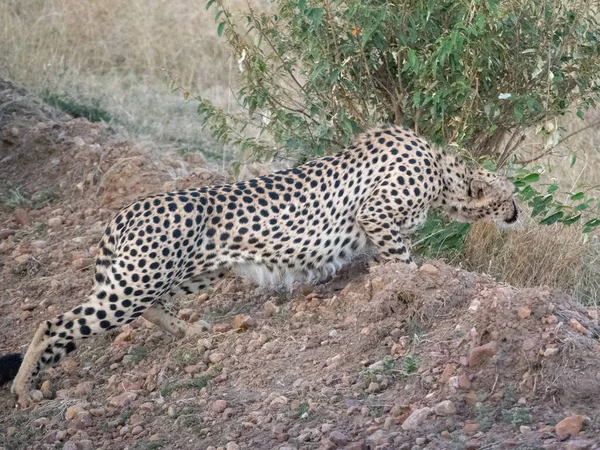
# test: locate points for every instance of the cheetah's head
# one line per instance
(484, 196)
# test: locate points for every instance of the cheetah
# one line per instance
(303, 223)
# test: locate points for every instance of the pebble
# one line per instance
(445, 408)
(338, 438)
(269, 309)
(232, 446)
(417, 417)
(571, 426)
(55, 223)
(219, 406)
(380, 437)
(216, 357)
(22, 217)
(123, 399)
(46, 390)
(243, 322)
(429, 269)
(524, 312)
(481, 354)
(471, 428)
(373, 387)
(580, 445)
(577, 326)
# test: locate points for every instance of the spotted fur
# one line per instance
(301, 223)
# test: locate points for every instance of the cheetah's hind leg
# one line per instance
(56, 338)
(163, 316)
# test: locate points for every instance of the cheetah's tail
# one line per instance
(9, 367)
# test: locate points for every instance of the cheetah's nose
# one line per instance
(515, 214)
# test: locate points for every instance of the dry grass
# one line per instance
(117, 52)
(557, 256)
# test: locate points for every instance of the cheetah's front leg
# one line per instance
(377, 218)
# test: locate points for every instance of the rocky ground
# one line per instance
(377, 358)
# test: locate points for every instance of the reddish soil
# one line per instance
(377, 358)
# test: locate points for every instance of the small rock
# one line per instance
(577, 326)
(481, 354)
(550, 320)
(447, 373)
(22, 217)
(5, 234)
(232, 446)
(193, 368)
(417, 417)
(46, 390)
(243, 322)
(270, 309)
(380, 437)
(85, 444)
(216, 357)
(228, 413)
(55, 223)
(123, 399)
(571, 426)
(219, 406)
(444, 408)
(73, 412)
(222, 327)
(338, 438)
(524, 312)
(429, 269)
(579, 444)
(397, 349)
(358, 445)
(137, 430)
(69, 446)
(82, 263)
(420, 441)
(373, 387)
(124, 337)
(377, 366)
(471, 428)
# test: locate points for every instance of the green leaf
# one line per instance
(552, 188)
(412, 60)
(592, 223)
(571, 219)
(552, 218)
(416, 99)
(220, 29)
(573, 160)
(578, 196)
(209, 3)
(532, 178)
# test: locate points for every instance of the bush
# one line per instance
(471, 74)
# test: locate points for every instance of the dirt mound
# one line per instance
(82, 162)
(377, 358)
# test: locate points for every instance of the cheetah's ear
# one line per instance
(478, 189)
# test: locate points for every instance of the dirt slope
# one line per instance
(378, 357)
